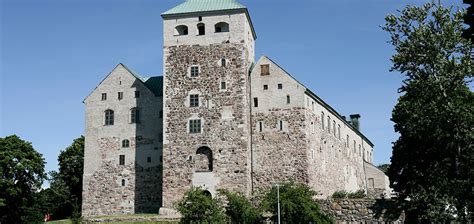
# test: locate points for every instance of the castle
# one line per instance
(216, 119)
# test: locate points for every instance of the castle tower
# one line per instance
(208, 52)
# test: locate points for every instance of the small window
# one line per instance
(104, 96)
(195, 126)
(221, 27)
(313, 105)
(223, 85)
(109, 117)
(280, 86)
(339, 131)
(347, 140)
(264, 69)
(360, 151)
(288, 99)
(134, 115)
(123, 182)
(334, 128)
(194, 71)
(260, 126)
(120, 95)
(200, 18)
(125, 143)
(194, 100)
(161, 114)
(355, 149)
(122, 160)
(265, 87)
(329, 124)
(223, 62)
(201, 29)
(255, 102)
(160, 137)
(148, 159)
(322, 120)
(281, 125)
(181, 30)
(137, 94)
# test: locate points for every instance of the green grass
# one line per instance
(64, 221)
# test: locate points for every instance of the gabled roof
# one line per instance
(191, 6)
(154, 84)
(320, 101)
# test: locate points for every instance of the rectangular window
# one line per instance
(194, 100)
(104, 96)
(195, 126)
(134, 116)
(313, 105)
(339, 131)
(120, 95)
(329, 124)
(255, 102)
(123, 182)
(288, 100)
(223, 85)
(137, 94)
(194, 71)
(265, 87)
(264, 69)
(148, 159)
(355, 149)
(122, 160)
(280, 86)
(347, 140)
(281, 125)
(260, 126)
(334, 127)
(322, 120)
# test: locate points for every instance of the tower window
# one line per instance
(201, 29)
(195, 126)
(223, 62)
(347, 140)
(265, 87)
(329, 124)
(255, 102)
(181, 30)
(123, 182)
(194, 100)
(288, 99)
(125, 143)
(339, 131)
(260, 126)
(281, 125)
(223, 85)
(134, 115)
(200, 18)
(194, 71)
(120, 95)
(265, 69)
(122, 160)
(322, 120)
(109, 117)
(221, 27)
(104, 96)
(280, 86)
(334, 127)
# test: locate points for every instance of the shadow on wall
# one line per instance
(147, 117)
(389, 210)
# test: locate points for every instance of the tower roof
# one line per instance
(193, 6)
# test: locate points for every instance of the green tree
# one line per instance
(239, 209)
(432, 160)
(22, 170)
(296, 204)
(384, 168)
(197, 206)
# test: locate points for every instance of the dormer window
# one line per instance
(221, 27)
(181, 30)
(201, 29)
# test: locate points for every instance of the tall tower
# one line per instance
(208, 52)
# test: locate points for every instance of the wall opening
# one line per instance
(181, 30)
(203, 160)
(201, 29)
(221, 27)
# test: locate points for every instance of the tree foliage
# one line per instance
(197, 206)
(296, 204)
(384, 168)
(239, 208)
(22, 170)
(432, 160)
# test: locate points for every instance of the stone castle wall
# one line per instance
(224, 115)
(363, 211)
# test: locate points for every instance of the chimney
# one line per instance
(355, 121)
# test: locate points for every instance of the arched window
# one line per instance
(134, 115)
(222, 27)
(203, 160)
(181, 30)
(201, 29)
(125, 143)
(109, 117)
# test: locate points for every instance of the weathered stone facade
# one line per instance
(216, 119)
(364, 211)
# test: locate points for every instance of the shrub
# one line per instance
(239, 209)
(198, 207)
(296, 204)
(356, 195)
(339, 194)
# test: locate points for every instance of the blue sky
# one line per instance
(54, 52)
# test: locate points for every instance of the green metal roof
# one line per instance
(155, 83)
(191, 6)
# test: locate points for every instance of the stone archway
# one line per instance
(203, 160)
